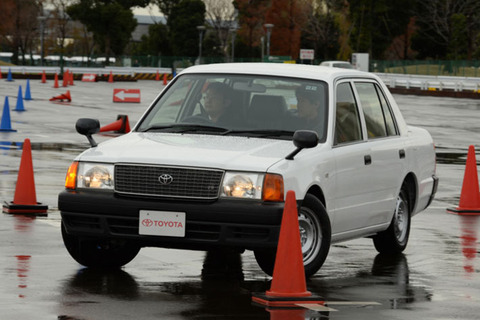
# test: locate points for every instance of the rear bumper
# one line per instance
(222, 223)
(434, 189)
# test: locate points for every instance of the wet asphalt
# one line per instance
(436, 278)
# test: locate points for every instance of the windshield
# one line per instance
(260, 106)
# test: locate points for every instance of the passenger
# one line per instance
(310, 99)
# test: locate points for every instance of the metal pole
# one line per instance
(269, 27)
(42, 30)
(200, 34)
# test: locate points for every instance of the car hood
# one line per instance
(210, 151)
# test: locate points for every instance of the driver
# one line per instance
(217, 102)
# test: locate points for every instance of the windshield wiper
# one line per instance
(182, 128)
(262, 132)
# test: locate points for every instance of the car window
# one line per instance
(240, 104)
(387, 111)
(378, 118)
(347, 121)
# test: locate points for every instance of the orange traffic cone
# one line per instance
(55, 85)
(157, 76)
(70, 79)
(164, 79)
(110, 77)
(65, 79)
(63, 96)
(288, 286)
(25, 200)
(470, 195)
(44, 77)
(0, 73)
(119, 126)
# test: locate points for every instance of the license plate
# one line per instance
(162, 223)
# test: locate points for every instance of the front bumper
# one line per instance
(239, 224)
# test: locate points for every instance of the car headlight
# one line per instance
(90, 175)
(247, 185)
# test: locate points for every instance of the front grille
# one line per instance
(191, 183)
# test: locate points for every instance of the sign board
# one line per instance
(307, 54)
(89, 77)
(126, 95)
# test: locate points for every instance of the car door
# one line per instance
(386, 151)
(352, 194)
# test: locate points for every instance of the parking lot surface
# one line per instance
(436, 278)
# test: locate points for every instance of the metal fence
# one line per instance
(459, 68)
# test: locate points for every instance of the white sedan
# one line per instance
(208, 165)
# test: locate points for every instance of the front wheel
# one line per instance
(315, 237)
(394, 240)
(105, 254)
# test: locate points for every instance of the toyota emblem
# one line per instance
(165, 179)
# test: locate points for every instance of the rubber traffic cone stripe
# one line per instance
(25, 199)
(470, 195)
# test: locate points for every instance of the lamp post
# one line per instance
(42, 20)
(234, 33)
(269, 28)
(200, 34)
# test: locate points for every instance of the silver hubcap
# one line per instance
(310, 234)
(401, 220)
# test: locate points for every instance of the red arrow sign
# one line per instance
(126, 95)
(89, 77)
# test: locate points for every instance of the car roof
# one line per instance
(302, 71)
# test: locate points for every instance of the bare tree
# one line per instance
(18, 26)
(436, 17)
(60, 24)
(222, 17)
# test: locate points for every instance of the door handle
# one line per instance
(368, 159)
(401, 153)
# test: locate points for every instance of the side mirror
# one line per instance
(87, 127)
(303, 139)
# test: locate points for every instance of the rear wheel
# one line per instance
(394, 240)
(93, 253)
(315, 236)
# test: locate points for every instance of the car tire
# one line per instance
(104, 254)
(315, 236)
(395, 239)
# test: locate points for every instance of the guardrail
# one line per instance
(131, 71)
(392, 80)
(431, 83)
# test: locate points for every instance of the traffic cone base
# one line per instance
(288, 286)
(36, 209)
(120, 126)
(470, 195)
(25, 199)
